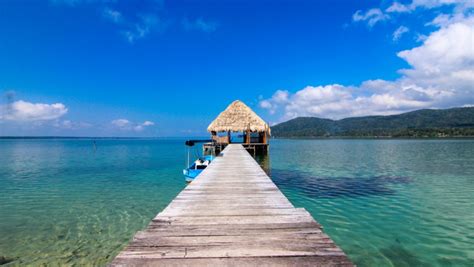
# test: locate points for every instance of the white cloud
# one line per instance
(266, 104)
(446, 58)
(460, 5)
(148, 123)
(397, 7)
(278, 98)
(120, 123)
(397, 34)
(141, 127)
(421, 37)
(281, 96)
(371, 16)
(199, 24)
(124, 124)
(441, 75)
(113, 15)
(444, 20)
(26, 111)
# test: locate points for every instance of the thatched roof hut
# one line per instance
(238, 117)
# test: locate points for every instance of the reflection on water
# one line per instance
(318, 187)
(264, 162)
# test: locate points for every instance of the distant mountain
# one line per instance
(454, 122)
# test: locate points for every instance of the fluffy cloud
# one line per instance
(148, 123)
(445, 60)
(397, 7)
(121, 123)
(278, 98)
(141, 127)
(26, 111)
(124, 124)
(460, 5)
(441, 75)
(371, 16)
(397, 34)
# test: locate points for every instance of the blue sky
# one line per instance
(167, 68)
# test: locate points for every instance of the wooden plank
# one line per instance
(241, 261)
(156, 239)
(232, 215)
(229, 227)
(235, 220)
(247, 250)
(228, 212)
(203, 230)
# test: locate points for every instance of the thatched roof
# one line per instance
(238, 117)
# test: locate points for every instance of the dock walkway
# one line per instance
(232, 215)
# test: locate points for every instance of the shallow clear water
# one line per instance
(385, 202)
(62, 202)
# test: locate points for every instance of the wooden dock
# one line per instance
(232, 215)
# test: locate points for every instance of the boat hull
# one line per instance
(191, 173)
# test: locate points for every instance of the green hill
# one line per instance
(454, 122)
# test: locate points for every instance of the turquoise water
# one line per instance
(62, 202)
(385, 202)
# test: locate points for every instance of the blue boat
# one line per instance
(197, 167)
(193, 170)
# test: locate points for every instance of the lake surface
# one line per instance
(384, 202)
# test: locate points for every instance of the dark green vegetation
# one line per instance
(454, 122)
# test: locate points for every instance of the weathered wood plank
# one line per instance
(212, 231)
(229, 212)
(318, 261)
(232, 215)
(247, 250)
(230, 227)
(235, 220)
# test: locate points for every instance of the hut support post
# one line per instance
(213, 136)
(228, 136)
